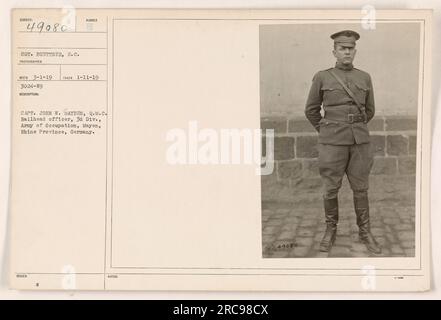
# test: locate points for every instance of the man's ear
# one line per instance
(334, 53)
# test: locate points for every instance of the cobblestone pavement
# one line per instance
(290, 232)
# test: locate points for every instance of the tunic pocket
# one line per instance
(361, 92)
(333, 94)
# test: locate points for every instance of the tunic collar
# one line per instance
(342, 66)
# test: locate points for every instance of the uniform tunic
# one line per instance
(343, 146)
(337, 104)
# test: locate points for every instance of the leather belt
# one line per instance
(351, 118)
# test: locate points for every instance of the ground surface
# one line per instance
(293, 221)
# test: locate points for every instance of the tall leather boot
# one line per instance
(331, 215)
(361, 204)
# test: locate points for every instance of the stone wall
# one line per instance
(296, 178)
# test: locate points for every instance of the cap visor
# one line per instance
(346, 44)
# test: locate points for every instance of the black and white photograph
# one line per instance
(260, 150)
(342, 99)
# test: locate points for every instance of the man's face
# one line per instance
(343, 54)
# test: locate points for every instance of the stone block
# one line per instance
(277, 254)
(396, 249)
(359, 247)
(310, 168)
(392, 221)
(406, 236)
(343, 241)
(378, 144)
(300, 125)
(376, 124)
(401, 123)
(273, 222)
(412, 144)
(304, 241)
(290, 169)
(287, 235)
(270, 230)
(300, 251)
(278, 124)
(397, 145)
(306, 147)
(407, 165)
(410, 252)
(305, 232)
(308, 185)
(384, 166)
(308, 223)
(390, 237)
(339, 251)
(408, 244)
(404, 227)
(283, 148)
(377, 232)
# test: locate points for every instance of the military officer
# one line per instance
(346, 96)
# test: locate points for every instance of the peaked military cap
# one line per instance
(345, 38)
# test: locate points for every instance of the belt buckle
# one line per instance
(351, 118)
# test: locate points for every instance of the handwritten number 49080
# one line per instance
(45, 27)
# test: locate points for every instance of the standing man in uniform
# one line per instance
(347, 98)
